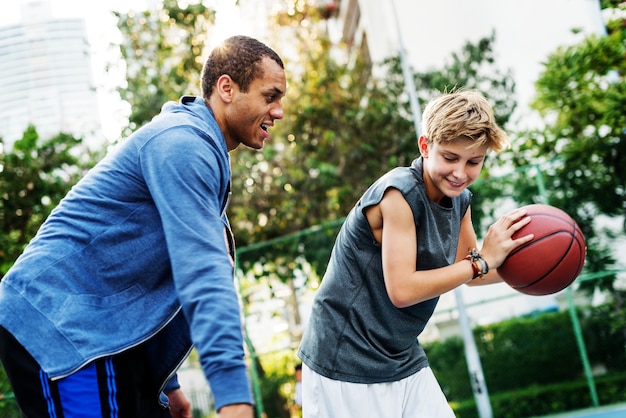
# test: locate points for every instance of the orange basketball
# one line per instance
(552, 260)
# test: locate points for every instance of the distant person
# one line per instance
(298, 377)
(408, 240)
(136, 262)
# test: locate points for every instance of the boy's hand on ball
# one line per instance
(552, 259)
(499, 242)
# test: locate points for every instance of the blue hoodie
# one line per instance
(141, 236)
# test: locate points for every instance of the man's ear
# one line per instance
(423, 146)
(224, 87)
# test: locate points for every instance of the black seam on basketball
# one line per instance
(557, 264)
(563, 261)
(567, 221)
(534, 241)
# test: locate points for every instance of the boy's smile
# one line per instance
(450, 167)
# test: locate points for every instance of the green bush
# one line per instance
(549, 399)
(532, 365)
(527, 351)
(277, 382)
(603, 329)
(447, 359)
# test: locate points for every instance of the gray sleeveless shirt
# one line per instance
(355, 334)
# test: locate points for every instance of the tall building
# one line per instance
(46, 77)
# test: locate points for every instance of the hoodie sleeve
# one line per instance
(186, 173)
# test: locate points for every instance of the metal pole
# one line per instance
(256, 387)
(581, 347)
(254, 373)
(408, 78)
(474, 366)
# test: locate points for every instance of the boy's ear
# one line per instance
(423, 146)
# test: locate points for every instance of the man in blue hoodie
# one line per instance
(136, 263)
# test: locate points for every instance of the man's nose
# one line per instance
(277, 111)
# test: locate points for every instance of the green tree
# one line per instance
(163, 52)
(580, 155)
(34, 175)
(473, 66)
(343, 128)
(581, 152)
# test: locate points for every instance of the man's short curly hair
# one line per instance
(463, 113)
(239, 57)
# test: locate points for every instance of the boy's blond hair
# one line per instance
(463, 113)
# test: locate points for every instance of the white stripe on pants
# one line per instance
(416, 396)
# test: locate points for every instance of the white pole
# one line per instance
(408, 77)
(474, 367)
(595, 10)
(599, 28)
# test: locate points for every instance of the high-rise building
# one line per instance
(46, 77)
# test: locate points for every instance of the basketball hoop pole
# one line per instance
(474, 366)
(408, 77)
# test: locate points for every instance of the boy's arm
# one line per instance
(406, 286)
(467, 241)
(497, 245)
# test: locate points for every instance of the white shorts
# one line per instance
(416, 396)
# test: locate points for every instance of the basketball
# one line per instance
(552, 260)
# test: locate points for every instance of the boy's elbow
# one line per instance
(399, 299)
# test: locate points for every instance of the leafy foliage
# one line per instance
(474, 66)
(34, 176)
(277, 383)
(8, 405)
(163, 50)
(581, 153)
(508, 341)
(535, 351)
(344, 127)
(448, 362)
(583, 90)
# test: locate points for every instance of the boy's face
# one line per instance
(450, 167)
